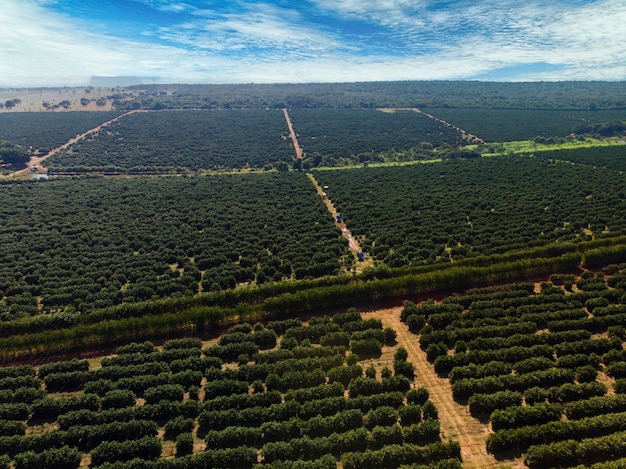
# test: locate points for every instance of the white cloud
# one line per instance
(261, 42)
(168, 5)
(262, 27)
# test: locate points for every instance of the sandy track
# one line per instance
(456, 422)
(292, 134)
(353, 244)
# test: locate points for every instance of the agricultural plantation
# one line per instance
(179, 289)
(46, 130)
(408, 215)
(544, 367)
(339, 136)
(503, 125)
(179, 140)
(289, 394)
(91, 243)
(609, 158)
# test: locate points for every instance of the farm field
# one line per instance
(181, 140)
(534, 375)
(87, 243)
(288, 394)
(543, 366)
(340, 136)
(408, 214)
(48, 130)
(503, 125)
(221, 247)
(613, 157)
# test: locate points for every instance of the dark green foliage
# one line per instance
(358, 135)
(12, 427)
(118, 398)
(518, 416)
(570, 452)
(367, 348)
(523, 437)
(111, 451)
(417, 396)
(344, 374)
(134, 347)
(17, 411)
(335, 338)
(487, 403)
(13, 155)
(89, 436)
(64, 457)
(184, 444)
(494, 368)
(310, 394)
(46, 409)
(389, 336)
(394, 456)
(114, 244)
(176, 426)
(17, 370)
(596, 406)
(66, 381)
(498, 125)
(62, 367)
(382, 416)
(198, 139)
(410, 414)
(21, 395)
(404, 368)
(325, 462)
(166, 392)
(183, 343)
(406, 230)
(234, 436)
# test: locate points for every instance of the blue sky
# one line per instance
(65, 42)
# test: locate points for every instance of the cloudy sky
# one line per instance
(268, 41)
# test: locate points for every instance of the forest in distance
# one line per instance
(185, 283)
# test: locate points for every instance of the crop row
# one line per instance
(408, 215)
(91, 243)
(48, 130)
(503, 125)
(183, 139)
(539, 388)
(286, 404)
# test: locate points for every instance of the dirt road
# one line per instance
(38, 160)
(456, 422)
(292, 134)
(464, 134)
(353, 244)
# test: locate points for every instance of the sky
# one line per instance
(65, 42)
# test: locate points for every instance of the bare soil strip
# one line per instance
(292, 134)
(464, 134)
(352, 243)
(456, 422)
(38, 160)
